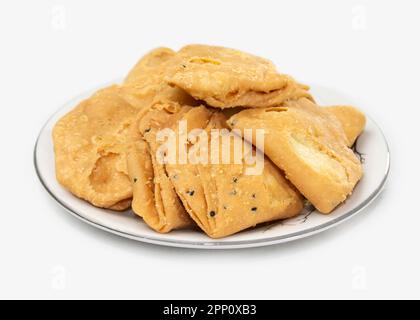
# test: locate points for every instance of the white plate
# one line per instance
(372, 146)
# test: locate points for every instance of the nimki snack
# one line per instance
(154, 197)
(150, 143)
(221, 198)
(309, 144)
(226, 78)
(90, 150)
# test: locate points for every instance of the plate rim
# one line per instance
(239, 244)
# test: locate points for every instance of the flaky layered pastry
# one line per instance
(221, 198)
(309, 144)
(154, 197)
(226, 78)
(109, 148)
(91, 166)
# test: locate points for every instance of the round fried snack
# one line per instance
(90, 146)
(226, 78)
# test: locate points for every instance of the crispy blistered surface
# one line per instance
(226, 78)
(221, 198)
(106, 148)
(96, 170)
(90, 144)
(309, 144)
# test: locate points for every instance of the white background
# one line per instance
(51, 51)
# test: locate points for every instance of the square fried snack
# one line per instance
(352, 120)
(90, 144)
(309, 144)
(154, 197)
(226, 78)
(221, 198)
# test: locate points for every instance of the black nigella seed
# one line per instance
(254, 195)
(235, 180)
(147, 130)
(254, 209)
(212, 213)
(135, 180)
(191, 193)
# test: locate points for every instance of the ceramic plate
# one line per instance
(371, 147)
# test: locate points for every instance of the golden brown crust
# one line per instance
(145, 79)
(226, 78)
(148, 69)
(221, 198)
(154, 197)
(310, 146)
(122, 205)
(352, 120)
(89, 144)
(91, 140)
(107, 149)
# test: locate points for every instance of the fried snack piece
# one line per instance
(154, 197)
(148, 69)
(145, 85)
(145, 79)
(226, 78)
(352, 120)
(90, 144)
(309, 144)
(221, 198)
